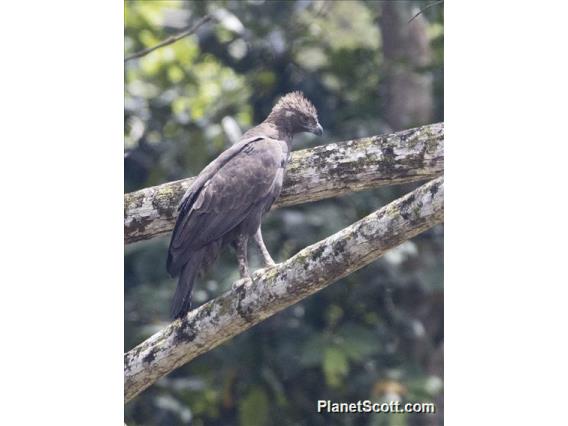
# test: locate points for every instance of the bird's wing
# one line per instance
(223, 195)
(212, 168)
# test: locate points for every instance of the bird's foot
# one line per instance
(243, 282)
(243, 269)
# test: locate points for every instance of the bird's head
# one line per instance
(296, 113)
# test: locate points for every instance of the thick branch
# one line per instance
(273, 290)
(313, 174)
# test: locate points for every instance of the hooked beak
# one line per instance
(318, 130)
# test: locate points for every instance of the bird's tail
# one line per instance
(198, 263)
(182, 297)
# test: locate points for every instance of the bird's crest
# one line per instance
(297, 101)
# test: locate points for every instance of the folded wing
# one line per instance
(223, 195)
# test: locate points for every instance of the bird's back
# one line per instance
(225, 193)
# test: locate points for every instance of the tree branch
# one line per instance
(421, 11)
(170, 40)
(313, 174)
(273, 290)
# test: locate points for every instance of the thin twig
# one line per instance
(422, 10)
(171, 39)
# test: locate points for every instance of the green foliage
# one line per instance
(378, 329)
(335, 366)
(254, 408)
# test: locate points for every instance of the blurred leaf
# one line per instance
(311, 353)
(357, 342)
(253, 408)
(333, 314)
(335, 366)
(229, 21)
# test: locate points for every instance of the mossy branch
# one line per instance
(275, 289)
(313, 174)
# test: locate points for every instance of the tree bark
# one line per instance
(408, 99)
(272, 290)
(313, 174)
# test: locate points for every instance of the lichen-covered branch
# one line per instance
(313, 174)
(272, 290)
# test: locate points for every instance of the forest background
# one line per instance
(369, 68)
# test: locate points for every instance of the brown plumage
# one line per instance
(226, 202)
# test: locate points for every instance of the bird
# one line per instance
(226, 202)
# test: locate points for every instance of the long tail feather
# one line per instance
(181, 302)
(199, 262)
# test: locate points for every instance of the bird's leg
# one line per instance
(242, 241)
(268, 261)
